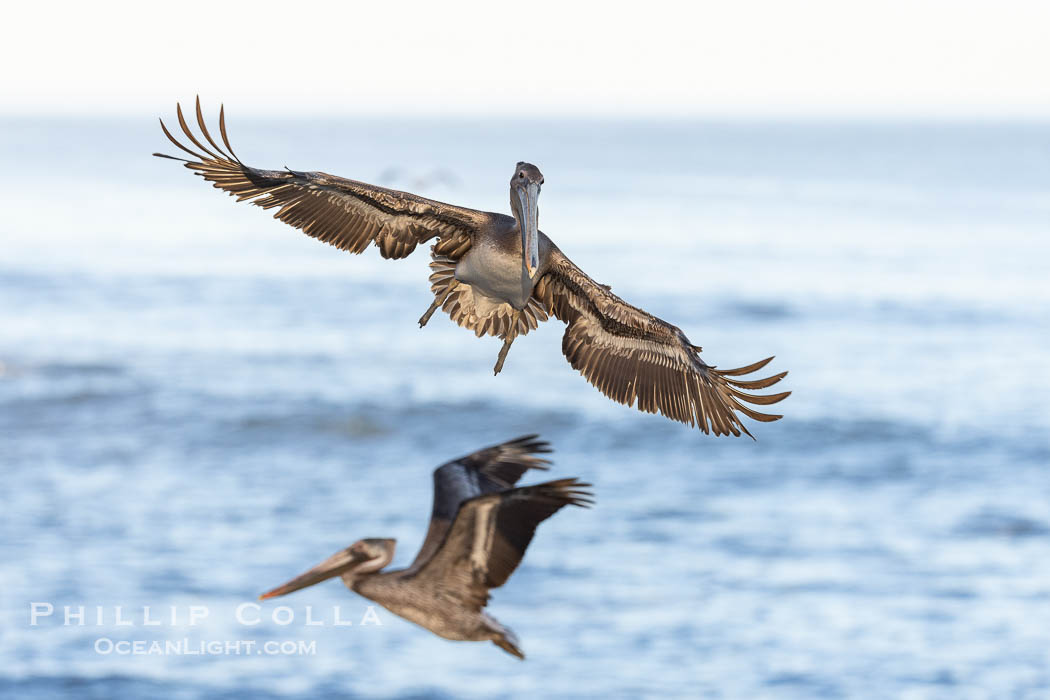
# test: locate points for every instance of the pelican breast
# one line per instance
(493, 267)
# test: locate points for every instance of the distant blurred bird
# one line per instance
(479, 529)
(500, 275)
(439, 177)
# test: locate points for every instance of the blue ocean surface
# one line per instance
(198, 403)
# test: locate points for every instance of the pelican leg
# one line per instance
(503, 352)
(438, 301)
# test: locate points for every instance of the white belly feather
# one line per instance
(496, 277)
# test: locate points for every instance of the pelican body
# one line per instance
(500, 275)
(479, 529)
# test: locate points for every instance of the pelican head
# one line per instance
(524, 202)
(362, 557)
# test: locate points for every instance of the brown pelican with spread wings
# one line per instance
(500, 275)
(480, 526)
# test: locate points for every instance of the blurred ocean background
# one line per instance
(197, 403)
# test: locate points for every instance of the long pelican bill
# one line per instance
(529, 196)
(335, 565)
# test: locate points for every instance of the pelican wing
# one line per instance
(488, 470)
(344, 213)
(489, 536)
(634, 357)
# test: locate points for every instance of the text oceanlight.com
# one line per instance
(188, 647)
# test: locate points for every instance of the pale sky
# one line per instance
(822, 58)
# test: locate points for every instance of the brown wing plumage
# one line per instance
(520, 512)
(344, 213)
(488, 470)
(635, 358)
(489, 536)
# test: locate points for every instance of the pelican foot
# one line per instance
(430, 312)
(438, 301)
(502, 356)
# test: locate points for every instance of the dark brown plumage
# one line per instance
(509, 519)
(481, 280)
(489, 470)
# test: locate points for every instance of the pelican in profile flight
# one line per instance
(500, 275)
(479, 528)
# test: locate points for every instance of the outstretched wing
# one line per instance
(489, 536)
(633, 356)
(344, 213)
(488, 470)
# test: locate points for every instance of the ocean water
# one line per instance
(197, 403)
